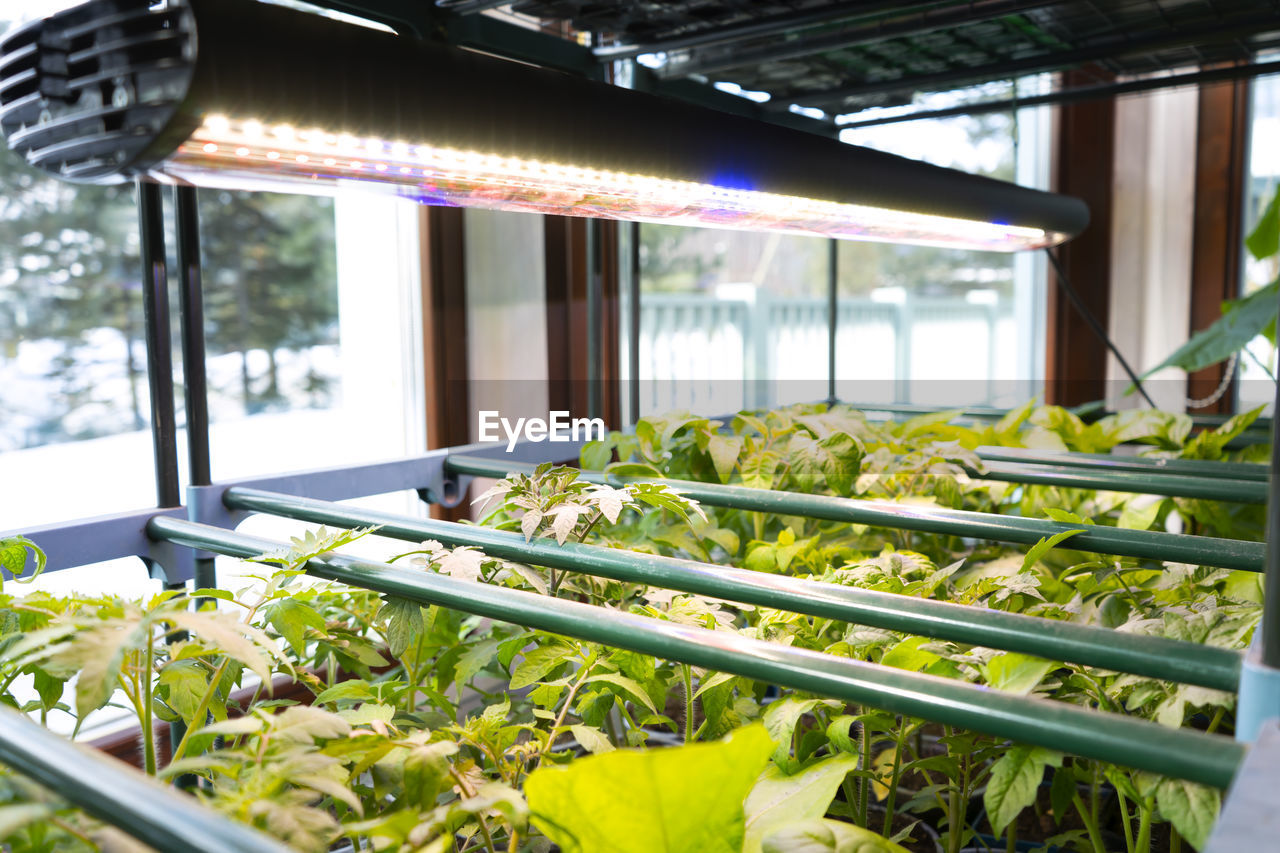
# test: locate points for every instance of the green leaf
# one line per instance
(425, 770)
(824, 835)
(1014, 672)
(1015, 778)
(104, 650)
(538, 663)
(1264, 240)
(778, 799)
(1241, 322)
(1191, 808)
(841, 461)
(354, 690)
(758, 469)
(591, 739)
(186, 682)
(1139, 513)
(14, 818)
(630, 686)
(724, 450)
(595, 455)
(13, 556)
(1061, 793)
(640, 801)
(908, 655)
(1044, 546)
(291, 618)
(474, 659)
(405, 623)
(231, 636)
(780, 720)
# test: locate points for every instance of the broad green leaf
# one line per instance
(16, 817)
(1264, 240)
(474, 659)
(780, 719)
(778, 799)
(231, 636)
(823, 835)
(595, 455)
(1015, 778)
(758, 469)
(724, 450)
(685, 799)
(353, 690)
(538, 663)
(841, 460)
(908, 655)
(1241, 322)
(13, 556)
(631, 687)
(425, 770)
(186, 681)
(591, 739)
(1139, 513)
(405, 623)
(1191, 808)
(291, 618)
(104, 650)
(1014, 672)
(1044, 546)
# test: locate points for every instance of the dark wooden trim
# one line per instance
(1217, 238)
(444, 335)
(1076, 361)
(570, 265)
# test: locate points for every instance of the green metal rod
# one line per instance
(115, 793)
(1184, 754)
(1140, 482)
(1155, 657)
(1112, 462)
(1097, 539)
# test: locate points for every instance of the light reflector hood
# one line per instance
(238, 93)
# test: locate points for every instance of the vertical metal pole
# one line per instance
(1271, 578)
(833, 317)
(155, 311)
(595, 317)
(633, 341)
(194, 379)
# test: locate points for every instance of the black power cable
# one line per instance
(1089, 318)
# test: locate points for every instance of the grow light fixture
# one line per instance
(234, 93)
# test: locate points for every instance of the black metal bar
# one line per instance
(155, 310)
(900, 27)
(1271, 584)
(1083, 93)
(833, 314)
(1227, 31)
(633, 341)
(759, 28)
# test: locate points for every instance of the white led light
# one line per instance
(446, 175)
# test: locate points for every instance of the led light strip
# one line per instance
(224, 150)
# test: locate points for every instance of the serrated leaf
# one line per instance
(630, 801)
(592, 739)
(230, 636)
(538, 663)
(565, 519)
(1014, 672)
(778, 799)
(1191, 808)
(1015, 779)
(462, 563)
(724, 451)
(1044, 546)
(630, 686)
(186, 682)
(291, 618)
(405, 623)
(529, 523)
(103, 652)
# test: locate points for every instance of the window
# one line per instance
(1257, 368)
(736, 319)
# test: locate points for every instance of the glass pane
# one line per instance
(730, 319)
(1257, 367)
(938, 326)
